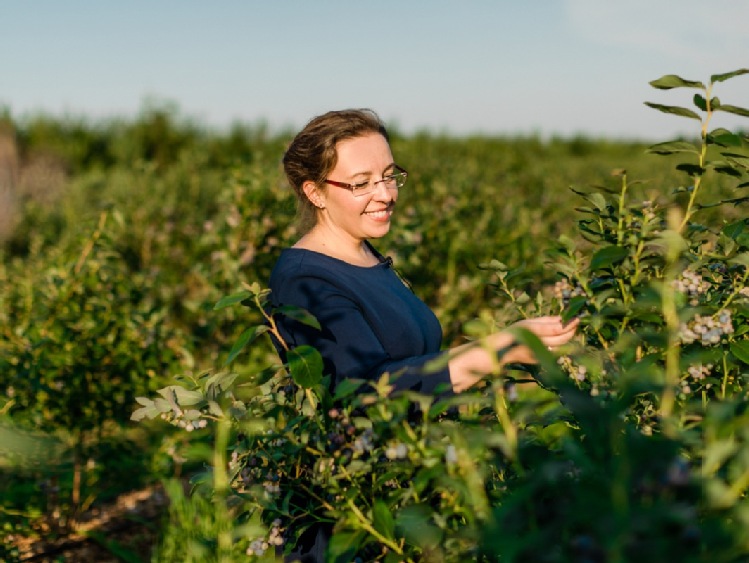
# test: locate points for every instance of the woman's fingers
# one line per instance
(549, 326)
(552, 331)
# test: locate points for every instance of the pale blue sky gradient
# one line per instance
(536, 67)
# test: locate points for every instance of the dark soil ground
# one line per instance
(126, 529)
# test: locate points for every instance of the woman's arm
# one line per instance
(351, 349)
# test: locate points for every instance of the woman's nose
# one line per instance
(383, 193)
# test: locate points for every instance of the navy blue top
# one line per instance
(372, 323)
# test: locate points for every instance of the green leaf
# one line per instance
(733, 230)
(740, 160)
(344, 545)
(244, 339)
(163, 405)
(550, 373)
(383, 519)
(733, 109)
(298, 314)
(722, 167)
(740, 349)
(221, 380)
(263, 376)
(672, 147)
(716, 454)
(700, 102)
(691, 169)
(724, 138)
(494, 265)
(587, 211)
(598, 200)
(254, 426)
(675, 110)
(568, 243)
(215, 409)
(608, 256)
(347, 387)
(515, 273)
(727, 75)
(149, 411)
(669, 81)
(414, 523)
(183, 397)
(741, 259)
(231, 300)
(238, 410)
(305, 365)
(477, 328)
(575, 306)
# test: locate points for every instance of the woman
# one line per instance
(347, 183)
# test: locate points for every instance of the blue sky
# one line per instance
(544, 67)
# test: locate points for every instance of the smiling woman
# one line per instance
(347, 183)
(371, 323)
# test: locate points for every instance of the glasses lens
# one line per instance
(394, 180)
(362, 189)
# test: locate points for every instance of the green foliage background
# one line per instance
(118, 239)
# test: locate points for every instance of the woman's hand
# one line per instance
(550, 330)
(469, 363)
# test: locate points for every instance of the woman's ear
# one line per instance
(314, 194)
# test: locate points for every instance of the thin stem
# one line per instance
(737, 289)
(221, 488)
(636, 260)
(724, 383)
(690, 211)
(500, 406)
(369, 528)
(622, 199)
(273, 327)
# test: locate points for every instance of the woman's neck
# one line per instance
(356, 252)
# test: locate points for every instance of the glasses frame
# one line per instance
(398, 172)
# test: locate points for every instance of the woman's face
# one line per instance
(360, 217)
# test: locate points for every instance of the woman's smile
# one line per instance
(381, 215)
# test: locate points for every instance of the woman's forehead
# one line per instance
(368, 153)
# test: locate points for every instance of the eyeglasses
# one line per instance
(394, 180)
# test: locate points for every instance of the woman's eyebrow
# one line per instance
(370, 173)
(388, 167)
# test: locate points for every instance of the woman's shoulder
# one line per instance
(295, 265)
(303, 267)
(301, 261)
(306, 278)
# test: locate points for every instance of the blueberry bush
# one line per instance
(132, 264)
(627, 445)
